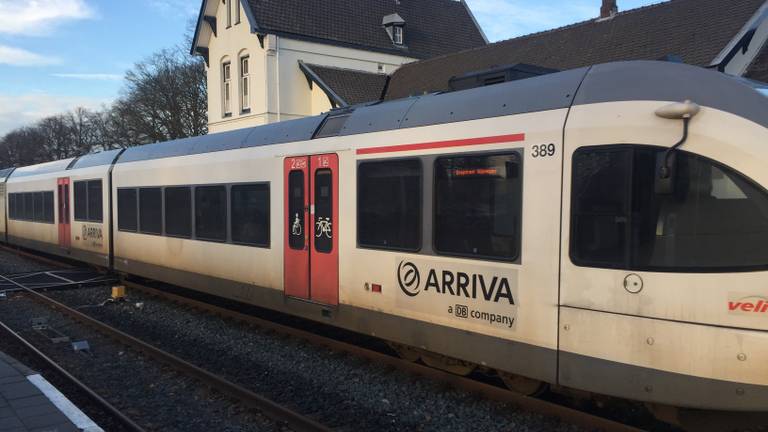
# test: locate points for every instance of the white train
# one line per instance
(545, 228)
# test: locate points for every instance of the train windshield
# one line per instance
(714, 219)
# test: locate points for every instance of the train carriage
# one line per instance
(603, 228)
(62, 207)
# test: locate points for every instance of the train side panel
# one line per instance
(89, 232)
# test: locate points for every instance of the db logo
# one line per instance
(408, 277)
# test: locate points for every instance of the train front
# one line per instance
(665, 257)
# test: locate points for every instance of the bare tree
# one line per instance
(23, 146)
(165, 98)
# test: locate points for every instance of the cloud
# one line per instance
(24, 110)
(90, 76)
(39, 17)
(21, 57)
(504, 19)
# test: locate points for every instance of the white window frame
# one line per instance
(245, 83)
(398, 34)
(226, 88)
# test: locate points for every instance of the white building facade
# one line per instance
(260, 73)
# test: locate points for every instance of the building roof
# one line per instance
(432, 27)
(694, 30)
(346, 86)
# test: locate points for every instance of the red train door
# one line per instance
(311, 215)
(65, 233)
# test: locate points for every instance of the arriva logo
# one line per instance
(491, 288)
(409, 278)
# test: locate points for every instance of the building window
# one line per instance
(229, 12)
(245, 90)
(250, 214)
(127, 215)
(178, 211)
(211, 213)
(227, 88)
(151, 210)
(88, 201)
(397, 34)
(706, 217)
(389, 204)
(478, 206)
(237, 11)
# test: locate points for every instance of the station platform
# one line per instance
(29, 403)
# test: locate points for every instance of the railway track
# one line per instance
(273, 410)
(122, 419)
(583, 419)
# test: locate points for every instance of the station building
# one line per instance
(274, 60)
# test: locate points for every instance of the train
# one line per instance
(602, 229)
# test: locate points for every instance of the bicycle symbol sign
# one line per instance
(323, 227)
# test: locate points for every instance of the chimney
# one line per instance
(609, 9)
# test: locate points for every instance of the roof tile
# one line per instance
(432, 27)
(695, 30)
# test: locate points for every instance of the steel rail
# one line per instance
(527, 403)
(114, 412)
(271, 409)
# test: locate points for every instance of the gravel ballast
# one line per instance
(341, 391)
(338, 390)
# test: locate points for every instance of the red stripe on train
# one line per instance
(443, 144)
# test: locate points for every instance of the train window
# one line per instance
(127, 217)
(81, 201)
(151, 210)
(39, 214)
(29, 209)
(389, 204)
(323, 211)
(478, 203)
(178, 211)
(600, 191)
(12, 206)
(48, 207)
(296, 209)
(250, 214)
(95, 201)
(211, 213)
(711, 219)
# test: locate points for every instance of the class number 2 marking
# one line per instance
(543, 150)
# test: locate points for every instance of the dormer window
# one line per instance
(397, 35)
(394, 24)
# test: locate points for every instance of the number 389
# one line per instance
(543, 150)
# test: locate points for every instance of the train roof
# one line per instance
(42, 168)
(106, 157)
(610, 82)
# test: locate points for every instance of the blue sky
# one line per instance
(59, 54)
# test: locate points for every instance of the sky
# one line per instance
(56, 55)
